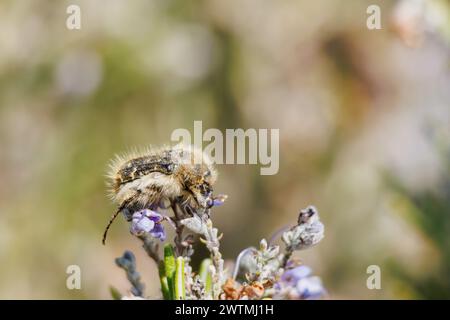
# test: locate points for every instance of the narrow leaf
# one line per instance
(163, 280)
(170, 269)
(180, 293)
(205, 275)
(115, 294)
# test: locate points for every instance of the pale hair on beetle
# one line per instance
(180, 175)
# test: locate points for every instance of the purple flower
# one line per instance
(297, 283)
(292, 276)
(310, 288)
(148, 221)
(219, 200)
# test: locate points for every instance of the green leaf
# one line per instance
(170, 269)
(180, 292)
(115, 294)
(163, 280)
(205, 275)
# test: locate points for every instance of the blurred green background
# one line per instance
(363, 115)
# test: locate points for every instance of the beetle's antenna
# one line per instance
(114, 216)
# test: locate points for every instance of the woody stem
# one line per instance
(179, 248)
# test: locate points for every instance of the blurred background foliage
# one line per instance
(363, 118)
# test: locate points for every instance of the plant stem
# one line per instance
(178, 240)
